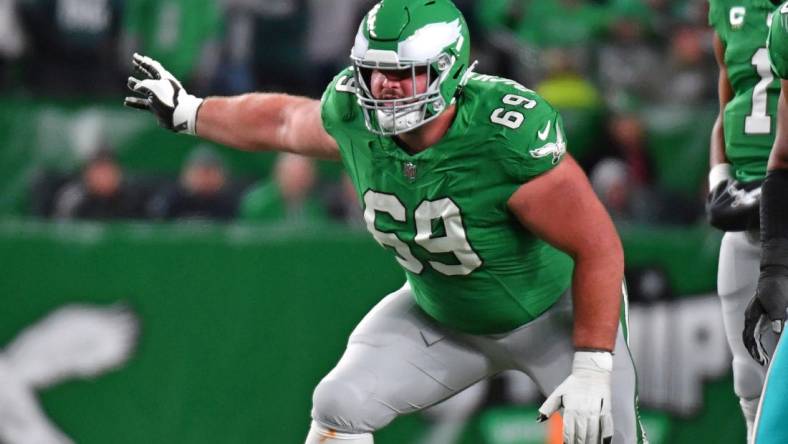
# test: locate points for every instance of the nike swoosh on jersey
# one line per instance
(543, 134)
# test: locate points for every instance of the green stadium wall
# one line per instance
(239, 323)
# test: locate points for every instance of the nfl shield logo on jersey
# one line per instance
(409, 171)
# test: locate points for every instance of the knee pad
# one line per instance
(748, 377)
(348, 406)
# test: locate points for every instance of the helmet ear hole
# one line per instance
(434, 74)
(366, 75)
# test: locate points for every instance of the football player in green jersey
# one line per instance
(511, 261)
(768, 307)
(740, 142)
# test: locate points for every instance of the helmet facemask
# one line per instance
(394, 116)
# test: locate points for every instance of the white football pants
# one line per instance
(399, 360)
(737, 279)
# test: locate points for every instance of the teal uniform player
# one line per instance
(770, 425)
(740, 145)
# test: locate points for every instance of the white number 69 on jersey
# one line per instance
(455, 240)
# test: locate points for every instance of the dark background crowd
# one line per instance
(635, 81)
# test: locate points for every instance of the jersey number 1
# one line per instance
(758, 122)
(454, 241)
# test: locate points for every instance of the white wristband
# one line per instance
(597, 361)
(186, 112)
(719, 173)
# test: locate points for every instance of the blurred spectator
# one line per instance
(564, 86)
(279, 54)
(342, 203)
(203, 191)
(263, 46)
(626, 141)
(287, 196)
(690, 75)
(628, 63)
(236, 72)
(73, 46)
(181, 34)
(629, 202)
(12, 41)
(330, 34)
(525, 27)
(625, 180)
(584, 57)
(548, 23)
(495, 44)
(575, 97)
(45, 185)
(624, 199)
(101, 192)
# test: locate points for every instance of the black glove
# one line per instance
(768, 305)
(733, 206)
(163, 95)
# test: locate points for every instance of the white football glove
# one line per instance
(585, 399)
(163, 95)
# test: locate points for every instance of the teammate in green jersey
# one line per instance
(740, 144)
(768, 307)
(511, 262)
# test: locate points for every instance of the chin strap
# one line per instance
(465, 77)
(468, 72)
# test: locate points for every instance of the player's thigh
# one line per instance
(739, 262)
(397, 361)
(544, 350)
(737, 279)
(626, 417)
(770, 424)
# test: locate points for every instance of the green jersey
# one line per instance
(443, 211)
(749, 118)
(778, 41)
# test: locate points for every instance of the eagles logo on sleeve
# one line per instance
(554, 149)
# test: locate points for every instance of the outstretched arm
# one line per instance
(253, 122)
(263, 122)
